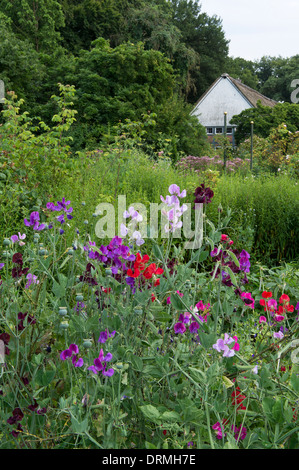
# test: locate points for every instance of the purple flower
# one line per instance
(240, 432)
(104, 335)
(244, 261)
(100, 364)
(2, 265)
(34, 222)
(175, 189)
(221, 345)
(185, 317)
(18, 238)
(194, 327)
(72, 352)
(278, 335)
(32, 279)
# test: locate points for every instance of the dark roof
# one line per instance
(250, 94)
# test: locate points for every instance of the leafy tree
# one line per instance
(206, 37)
(36, 21)
(20, 66)
(243, 69)
(265, 119)
(276, 75)
(87, 20)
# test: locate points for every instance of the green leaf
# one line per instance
(227, 382)
(295, 382)
(77, 427)
(44, 378)
(234, 258)
(150, 412)
(176, 302)
(231, 274)
(58, 288)
(170, 416)
(267, 404)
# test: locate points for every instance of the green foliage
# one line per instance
(276, 74)
(265, 119)
(35, 158)
(264, 214)
(35, 21)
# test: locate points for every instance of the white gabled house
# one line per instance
(226, 95)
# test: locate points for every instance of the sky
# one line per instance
(258, 28)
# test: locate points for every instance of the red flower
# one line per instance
(238, 398)
(151, 270)
(266, 295)
(139, 265)
(284, 298)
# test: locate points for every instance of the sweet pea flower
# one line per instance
(278, 335)
(221, 345)
(104, 335)
(34, 222)
(100, 364)
(72, 353)
(18, 239)
(179, 328)
(31, 279)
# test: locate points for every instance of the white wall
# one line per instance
(224, 96)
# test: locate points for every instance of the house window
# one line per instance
(218, 130)
(229, 130)
(209, 130)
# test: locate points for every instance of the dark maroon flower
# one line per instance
(42, 411)
(16, 431)
(203, 195)
(30, 320)
(18, 258)
(34, 406)
(17, 271)
(25, 380)
(17, 415)
(87, 277)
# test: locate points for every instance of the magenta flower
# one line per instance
(240, 432)
(72, 352)
(179, 328)
(217, 428)
(262, 319)
(249, 301)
